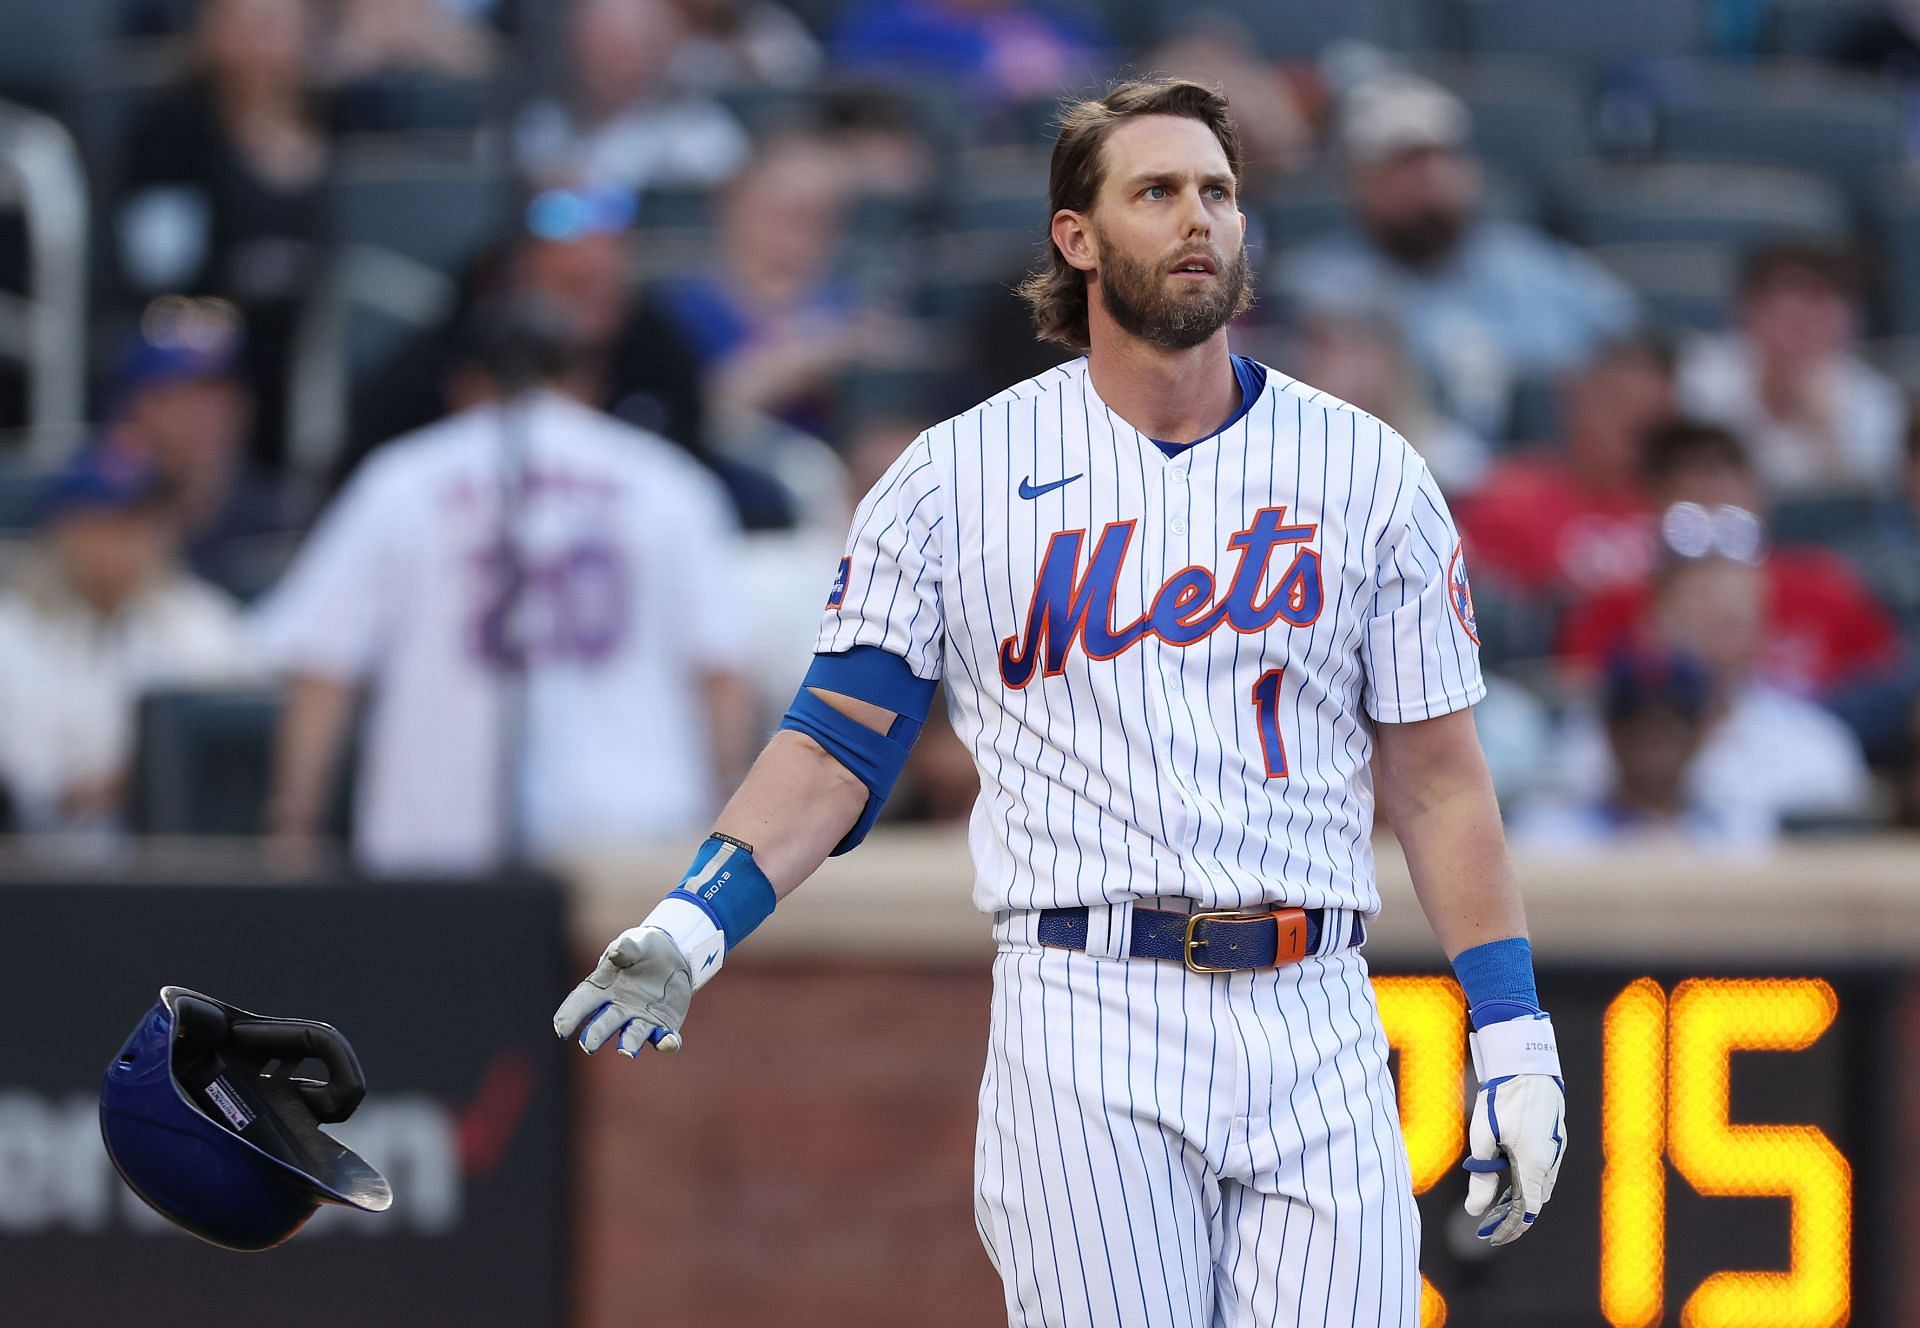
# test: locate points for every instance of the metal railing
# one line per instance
(45, 327)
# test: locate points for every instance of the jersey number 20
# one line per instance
(1266, 714)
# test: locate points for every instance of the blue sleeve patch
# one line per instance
(837, 596)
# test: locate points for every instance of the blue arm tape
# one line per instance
(879, 677)
(874, 758)
(1498, 980)
(729, 887)
(868, 673)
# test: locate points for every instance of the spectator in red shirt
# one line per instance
(1823, 630)
(1573, 520)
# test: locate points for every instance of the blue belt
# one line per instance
(1213, 940)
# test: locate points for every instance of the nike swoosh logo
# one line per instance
(1028, 489)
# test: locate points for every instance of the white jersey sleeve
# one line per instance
(328, 615)
(886, 592)
(1422, 643)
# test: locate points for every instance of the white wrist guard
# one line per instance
(1515, 1046)
(692, 930)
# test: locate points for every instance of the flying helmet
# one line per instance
(204, 1119)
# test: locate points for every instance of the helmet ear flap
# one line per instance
(199, 1025)
(293, 1041)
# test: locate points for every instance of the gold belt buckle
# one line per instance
(1290, 942)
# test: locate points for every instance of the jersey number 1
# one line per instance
(1266, 714)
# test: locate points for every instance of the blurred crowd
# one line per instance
(484, 386)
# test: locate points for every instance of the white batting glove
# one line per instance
(1519, 1126)
(639, 991)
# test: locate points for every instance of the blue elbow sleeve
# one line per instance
(875, 759)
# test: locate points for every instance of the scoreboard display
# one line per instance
(1724, 1134)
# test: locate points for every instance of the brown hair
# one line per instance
(1055, 290)
(1831, 264)
(1687, 443)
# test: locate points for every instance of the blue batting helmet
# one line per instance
(203, 1133)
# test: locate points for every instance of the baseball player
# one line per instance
(1181, 603)
(535, 599)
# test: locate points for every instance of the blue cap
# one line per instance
(562, 216)
(1637, 682)
(178, 340)
(98, 478)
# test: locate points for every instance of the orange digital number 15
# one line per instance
(1667, 1075)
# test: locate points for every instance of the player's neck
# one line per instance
(1176, 396)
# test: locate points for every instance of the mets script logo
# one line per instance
(1460, 595)
(1071, 604)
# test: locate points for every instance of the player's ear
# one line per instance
(1074, 239)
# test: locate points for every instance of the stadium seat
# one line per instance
(1896, 228)
(1848, 522)
(1527, 117)
(1680, 285)
(1303, 29)
(1533, 412)
(964, 269)
(203, 762)
(408, 225)
(1004, 189)
(50, 49)
(1846, 127)
(1899, 359)
(438, 212)
(21, 481)
(1306, 207)
(877, 220)
(422, 104)
(1591, 35)
(1314, 203)
(1699, 203)
(1871, 530)
(675, 209)
(1813, 29)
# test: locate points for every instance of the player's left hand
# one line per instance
(1519, 1128)
(639, 992)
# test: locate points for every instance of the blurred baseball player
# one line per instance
(1180, 603)
(536, 599)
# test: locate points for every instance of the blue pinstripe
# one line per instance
(1383, 1153)
(1189, 1251)
(1082, 1110)
(1016, 1287)
(1057, 1265)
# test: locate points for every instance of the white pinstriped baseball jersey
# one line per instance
(1164, 666)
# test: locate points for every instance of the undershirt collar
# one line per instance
(1252, 377)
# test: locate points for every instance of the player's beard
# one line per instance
(1137, 294)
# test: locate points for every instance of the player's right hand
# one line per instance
(1518, 1130)
(638, 992)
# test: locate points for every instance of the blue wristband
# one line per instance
(729, 887)
(1498, 980)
